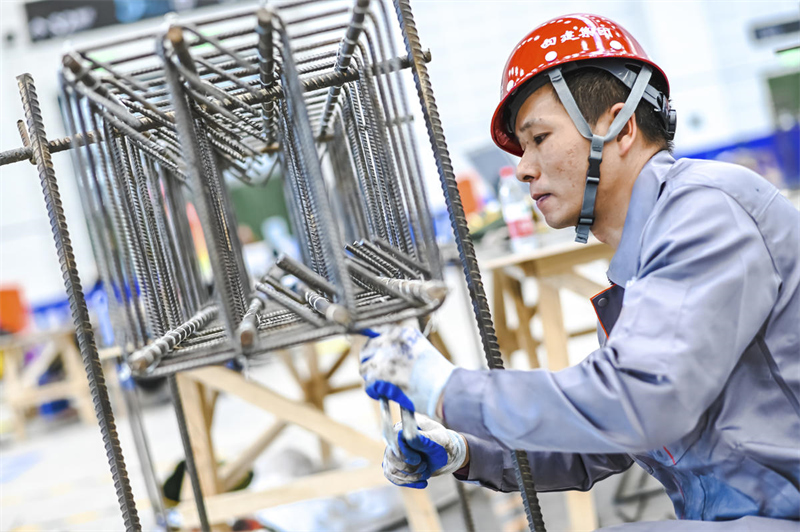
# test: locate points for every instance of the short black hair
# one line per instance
(596, 91)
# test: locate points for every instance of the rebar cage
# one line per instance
(314, 86)
(316, 89)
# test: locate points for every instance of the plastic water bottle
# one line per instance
(517, 211)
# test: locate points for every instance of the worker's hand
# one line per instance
(402, 366)
(437, 451)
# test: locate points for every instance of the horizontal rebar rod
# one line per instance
(145, 124)
(150, 355)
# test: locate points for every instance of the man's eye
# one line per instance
(538, 139)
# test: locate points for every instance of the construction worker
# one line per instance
(698, 376)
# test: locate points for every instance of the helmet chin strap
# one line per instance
(586, 218)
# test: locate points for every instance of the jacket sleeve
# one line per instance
(706, 286)
(491, 465)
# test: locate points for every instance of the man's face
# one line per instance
(554, 160)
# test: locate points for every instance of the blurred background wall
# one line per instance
(732, 88)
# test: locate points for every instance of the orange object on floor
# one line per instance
(13, 313)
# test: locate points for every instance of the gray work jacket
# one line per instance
(699, 378)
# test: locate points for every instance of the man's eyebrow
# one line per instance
(529, 123)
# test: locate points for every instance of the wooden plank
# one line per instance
(581, 510)
(580, 506)
(420, 511)
(232, 472)
(12, 358)
(335, 366)
(31, 373)
(583, 331)
(27, 339)
(286, 356)
(316, 389)
(76, 374)
(345, 387)
(357, 343)
(42, 394)
(557, 264)
(301, 414)
(209, 406)
(555, 336)
(109, 353)
(506, 339)
(570, 252)
(524, 316)
(575, 282)
(329, 484)
(193, 399)
(436, 341)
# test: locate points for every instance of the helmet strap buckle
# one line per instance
(586, 218)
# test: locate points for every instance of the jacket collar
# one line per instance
(646, 191)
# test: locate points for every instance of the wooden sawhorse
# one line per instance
(553, 267)
(199, 389)
(22, 389)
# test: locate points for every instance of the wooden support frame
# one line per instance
(22, 390)
(193, 393)
(553, 269)
(328, 484)
(506, 288)
(232, 473)
(199, 389)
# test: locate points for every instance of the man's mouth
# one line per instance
(540, 198)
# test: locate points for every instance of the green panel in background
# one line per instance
(785, 92)
(253, 205)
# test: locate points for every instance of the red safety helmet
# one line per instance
(562, 40)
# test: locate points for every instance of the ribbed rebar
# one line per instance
(247, 333)
(322, 81)
(463, 240)
(266, 66)
(191, 466)
(144, 358)
(80, 314)
(346, 49)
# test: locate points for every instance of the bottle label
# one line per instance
(521, 228)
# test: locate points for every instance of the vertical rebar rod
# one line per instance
(466, 250)
(346, 49)
(143, 254)
(416, 245)
(191, 466)
(90, 204)
(182, 236)
(430, 250)
(130, 247)
(372, 203)
(466, 507)
(266, 67)
(382, 155)
(136, 420)
(80, 313)
(347, 184)
(203, 194)
(297, 114)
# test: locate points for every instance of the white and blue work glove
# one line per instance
(437, 451)
(401, 365)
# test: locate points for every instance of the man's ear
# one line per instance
(629, 131)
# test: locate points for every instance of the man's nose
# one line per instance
(527, 169)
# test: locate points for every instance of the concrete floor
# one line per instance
(58, 478)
